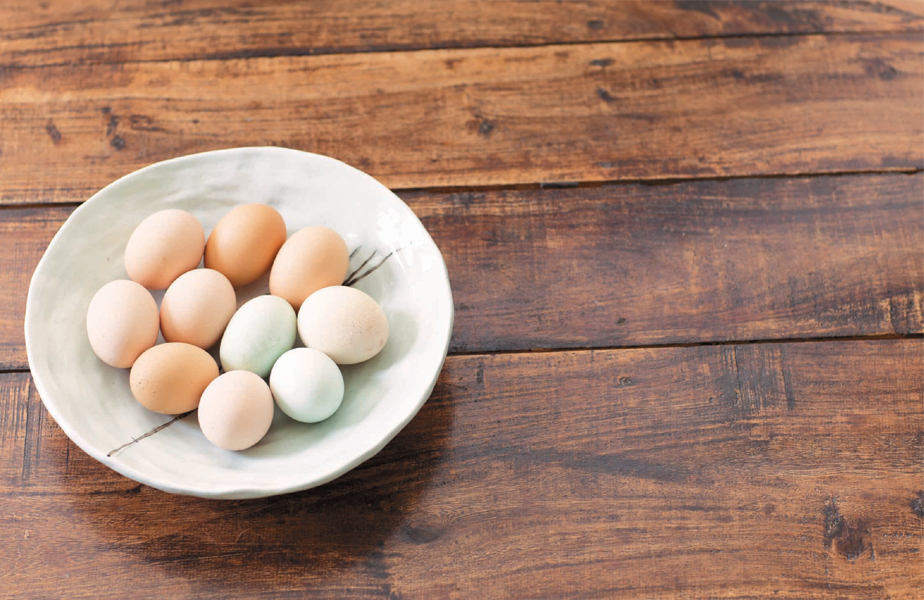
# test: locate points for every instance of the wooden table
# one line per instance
(686, 244)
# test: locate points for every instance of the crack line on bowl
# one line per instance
(148, 434)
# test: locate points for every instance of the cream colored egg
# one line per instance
(163, 247)
(343, 323)
(197, 307)
(121, 322)
(170, 378)
(244, 243)
(236, 410)
(313, 258)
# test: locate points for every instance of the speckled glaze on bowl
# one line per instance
(92, 402)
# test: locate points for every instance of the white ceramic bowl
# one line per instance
(92, 402)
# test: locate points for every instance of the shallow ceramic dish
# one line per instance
(92, 402)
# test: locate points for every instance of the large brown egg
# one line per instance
(313, 258)
(170, 378)
(244, 243)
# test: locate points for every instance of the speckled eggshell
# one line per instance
(244, 243)
(259, 332)
(344, 323)
(121, 322)
(170, 378)
(164, 246)
(236, 410)
(197, 307)
(307, 385)
(313, 258)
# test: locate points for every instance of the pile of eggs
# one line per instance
(337, 324)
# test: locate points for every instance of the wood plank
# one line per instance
(753, 471)
(100, 31)
(633, 265)
(595, 112)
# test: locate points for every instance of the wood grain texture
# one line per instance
(632, 265)
(102, 31)
(595, 112)
(749, 471)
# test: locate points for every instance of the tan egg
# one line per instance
(121, 322)
(170, 378)
(314, 258)
(343, 323)
(236, 410)
(197, 307)
(163, 247)
(244, 243)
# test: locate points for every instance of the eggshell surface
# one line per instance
(170, 378)
(236, 410)
(164, 246)
(344, 323)
(244, 243)
(197, 307)
(313, 258)
(261, 331)
(121, 322)
(307, 385)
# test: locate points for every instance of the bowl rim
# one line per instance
(230, 492)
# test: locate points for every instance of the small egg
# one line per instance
(197, 307)
(343, 323)
(236, 410)
(261, 331)
(313, 258)
(170, 378)
(163, 247)
(244, 243)
(121, 322)
(307, 385)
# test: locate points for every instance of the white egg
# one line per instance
(343, 323)
(260, 332)
(307, 385)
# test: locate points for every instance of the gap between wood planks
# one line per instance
(544, 185)
(397, 49)
(818, 340)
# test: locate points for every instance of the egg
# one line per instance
(307, 385)
(244, 243)
(313, 258)
(236, 410)
(197, 307)
(344, 323)
(163, 247)
(121, 322)
(259, 332)
(170, 378)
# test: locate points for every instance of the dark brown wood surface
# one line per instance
(68, 32)
(737, 471)
(697, 373)
(486, 116)
(635, 265)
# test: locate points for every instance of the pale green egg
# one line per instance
(261, 331)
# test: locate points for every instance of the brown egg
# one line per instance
(197, 307)
(163, 247)
(244, 243)
(121, 322)
(236, 410)
(314, 258)
(170, 378)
